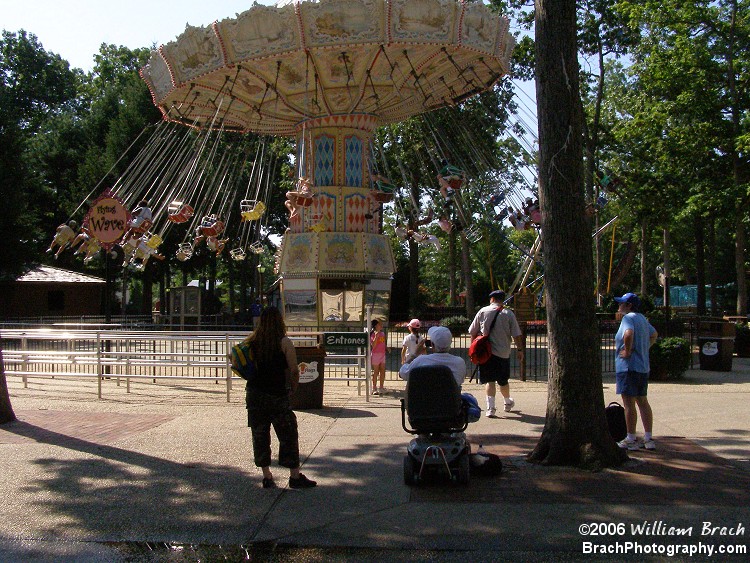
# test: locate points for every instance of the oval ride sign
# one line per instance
(107, 220)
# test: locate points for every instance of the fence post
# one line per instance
(99, 363)
(25, 361)
(523, 358)
(229, 365)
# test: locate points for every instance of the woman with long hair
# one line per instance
(267, 399)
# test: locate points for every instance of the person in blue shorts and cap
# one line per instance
(632, 342)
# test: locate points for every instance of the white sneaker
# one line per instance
(509, 405)
(375, 392)
(649, 444)
(490, 413)
(629, 444)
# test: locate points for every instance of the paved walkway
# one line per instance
(165, 473)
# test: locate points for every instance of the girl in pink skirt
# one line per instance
(377, 358)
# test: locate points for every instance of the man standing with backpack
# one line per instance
(497, 368)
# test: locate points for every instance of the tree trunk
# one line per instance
(232, 281)
(413, 277)
(644, 264)
(739, 168)
(667, 294)
(452, 268)
(148, 290)
(466, 275)
(575, 431)
(740, 241)
(6, 409)
(700, 265)
(712, 267)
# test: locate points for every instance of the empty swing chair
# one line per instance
(179, 212)
(251, 210)
(383, 189)
(238, 254)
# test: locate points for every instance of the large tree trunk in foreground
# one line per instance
(575, 431)
(6, 409)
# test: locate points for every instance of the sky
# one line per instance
(74, 29)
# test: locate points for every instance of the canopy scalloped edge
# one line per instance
(271, 68)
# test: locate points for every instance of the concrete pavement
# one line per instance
(165, 473)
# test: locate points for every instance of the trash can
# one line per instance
(716, 345)
(309, 395)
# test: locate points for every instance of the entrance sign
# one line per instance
(107, 220)
(344, 339)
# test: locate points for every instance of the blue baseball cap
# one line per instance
(631, 298)
(498, 293)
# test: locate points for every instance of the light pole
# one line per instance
(261, 269)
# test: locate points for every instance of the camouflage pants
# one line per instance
(264, 411)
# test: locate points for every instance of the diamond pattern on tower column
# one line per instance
(356, 207)
(324, 158)
(353, 161)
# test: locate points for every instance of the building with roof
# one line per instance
(49, 291)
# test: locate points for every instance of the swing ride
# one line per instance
(329, 73)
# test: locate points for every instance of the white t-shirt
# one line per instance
(411, 341)
(505, 328)
(457, 365)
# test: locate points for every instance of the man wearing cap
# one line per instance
(413, 344)
(632, 342)
(441, 339)
(497, 368)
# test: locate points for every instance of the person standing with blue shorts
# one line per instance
(632, 342)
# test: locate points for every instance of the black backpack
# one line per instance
(615, 414)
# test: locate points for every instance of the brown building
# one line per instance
(48, 291)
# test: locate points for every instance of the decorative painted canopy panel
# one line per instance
(355, 255)
(271, 68)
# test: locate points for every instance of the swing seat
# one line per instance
(154, 241)
(213, 230)
(497, 199)
(256, 248)
(180, 214)
(238, 254)
(381, 197)
(445, 225)
(473, 234)
(251, 210)
(184, 251)
(304, 200)
(455, 182)
(215, 244)
(140, 225)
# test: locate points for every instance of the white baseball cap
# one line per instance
(441, 337)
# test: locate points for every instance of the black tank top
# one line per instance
(270, 377)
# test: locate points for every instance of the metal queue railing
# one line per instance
(131, 355)
(203, 355)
